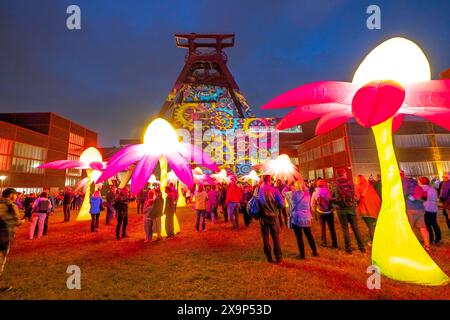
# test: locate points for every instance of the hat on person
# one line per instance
(7, 192)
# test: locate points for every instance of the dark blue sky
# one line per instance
(114, 74)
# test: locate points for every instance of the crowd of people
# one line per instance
(281, 204)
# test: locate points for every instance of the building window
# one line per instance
(412, 141)
(27, 158)
(339, 145)
(316, 153)
(6, 147)
(76, 148)
(319, 173)
(443, 140)
(415, 169)
(309, 155)
(302, 157)
(326, 149)
(329, 174)
(71, 181)
(311, 176)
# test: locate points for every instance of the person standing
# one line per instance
(246, 196)
(201, 197)
(283, 212)
(110, 202)
(321, 203)
(156, 213)
(121, 201)
(270, 201)
(67, 202)
(297, 195)
(444, 196)
(41, 208)
(232, 201)
(223, 197)
(148, 225)
(213, 203)
(431, 210)
(415, 209)
(369, 204)
(9, 220)
(344, 200)
(96, 203)
(169, 210)
(141, 197)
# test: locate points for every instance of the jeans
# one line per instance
(94, 221)
(282, 214)
(169, 225)
(371, 223)
(148, 225)
(432, 226)
(66, 209)
(328, 219)
(247, 218)
(201, 214)
(225, 212)
(299, 235)
(233, 214)
(346, 217)
(274, 230)
(445, 213)
(40, 220)
(5, 249)
(140, 206)
(122, 221)
(36, 229)
(109, 213)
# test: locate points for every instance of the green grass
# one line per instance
(216, 264)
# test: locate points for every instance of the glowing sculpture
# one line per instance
(160, 144)
(393, 80)
(221, 177)
(280, 168)
(153, 180)
(252, 177)
(90, 160)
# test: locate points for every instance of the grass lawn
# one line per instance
(216, 264)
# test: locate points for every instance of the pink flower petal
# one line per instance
(64, 164)
(314, 93)
(96, 166)
(142, 172)
(377, 101)
(332, 120)
(181, 168)
(434, 93)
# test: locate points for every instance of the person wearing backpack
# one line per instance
(270, 201)
(41, 207)
(9, 220)
(369, 204)
(321, 203)
(415, 197)
(344, 201)
(297, 195)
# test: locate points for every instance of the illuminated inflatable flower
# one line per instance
(393, 80)
(280, 168)
(90, 160)
(221, 177)
(251, 177)
(160, 144)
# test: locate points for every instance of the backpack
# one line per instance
(345, 196)
(42, 206)
(253, 208)
(323, 204)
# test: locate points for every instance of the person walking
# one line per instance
(156, 213)
(431, 210)
(96, 203)
(213, 203)
(246, 196)
(299, 201)
(344, 201)
(110, 202)
(444, 196)
(321, 203)
(9, 221)
(232, 201)
(369, 204)
(67, 202)
(415, 209)
(41, 208)
(270, 201)
(169, 210)
(121, 205)
(201, 197)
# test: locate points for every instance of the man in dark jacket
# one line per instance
(169, 209)
(270, 201)
(9, 220)
(67, 200)
(121, 206)
(343, 195)
(110, 202)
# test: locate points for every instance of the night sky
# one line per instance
(114, 73)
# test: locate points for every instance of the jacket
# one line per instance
(299, 207)
(96, 205)
(320, 192)
(431, 205)
(157, 210)
(369, 203)
(270, 201)
(234, 194)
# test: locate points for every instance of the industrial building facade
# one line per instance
(30, 139)
(422, 149)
